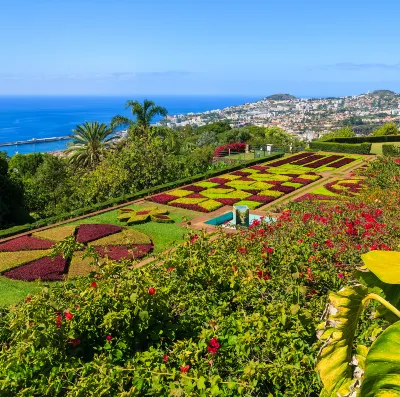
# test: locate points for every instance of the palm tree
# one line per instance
(144, 114)
(89, 142)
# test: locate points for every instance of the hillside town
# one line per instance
(306, 117)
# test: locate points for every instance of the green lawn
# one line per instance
(376, 148)
(13, 291)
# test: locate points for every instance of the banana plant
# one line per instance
(362, 372)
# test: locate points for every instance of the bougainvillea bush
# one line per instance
(225, 315)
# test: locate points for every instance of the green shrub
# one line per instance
(370, 139)
(362, 148)
(390, 150)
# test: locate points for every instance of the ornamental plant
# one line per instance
(363, 371)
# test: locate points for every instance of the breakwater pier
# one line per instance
(35, 140)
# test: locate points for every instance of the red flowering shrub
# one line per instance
(283, 189)
(91, 232)
(45, 269)
(238, 147)
(25, 243)
(193, 188)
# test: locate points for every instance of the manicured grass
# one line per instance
(13, 291)
(376, 147)
(164, 235)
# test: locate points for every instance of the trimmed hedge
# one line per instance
(362, 148)
(370, 139)
(390, 150)
(130, 197)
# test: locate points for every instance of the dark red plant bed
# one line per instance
(341, 163)
(193, 188)
(324, 161)
(283, 189)
(162, 198)
(228, 201)
(240, 173)
(220, 181)
(87, 233)
(252, 191)
(25, 243)
(45, 269)
(261, 199)
(245, 178)
(307, 160)
(290, 159)
(119, 252)
(195, 195)
(301, 180)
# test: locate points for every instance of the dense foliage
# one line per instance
(231, 315)
(362, 148)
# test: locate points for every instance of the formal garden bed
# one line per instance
(29, 258)
(254, 186)
(335, 190)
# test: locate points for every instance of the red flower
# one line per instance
(109, 338)
(194, 238)
(152, 291)
(58, 321)
(69, 316)
(98, 276)
(300, 241)
(93, 284)
(329, 243)
(212, 350)
(28, 299)
(306, 217)
(313, 292)
(397, 161)
(184, 369)
(242, 251)
(166, 358)
(214, 343)
(74, 342)
(340, 275)
(170, 269)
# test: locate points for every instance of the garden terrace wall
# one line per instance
(131, 197)
(362, 148)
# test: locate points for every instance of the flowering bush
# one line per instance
(238, 147)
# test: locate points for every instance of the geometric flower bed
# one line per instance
(27, 258)
(315, 161)
(254, 186)
(335, 190)
(132, 217)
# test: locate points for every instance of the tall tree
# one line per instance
(89, 143)
(387, 129)
(143, 113)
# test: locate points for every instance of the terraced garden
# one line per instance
(255, 186)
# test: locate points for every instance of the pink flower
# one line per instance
(194, 238)
(166, 358)
(109, 338)
(340, 275)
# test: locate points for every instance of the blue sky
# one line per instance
(221, 47)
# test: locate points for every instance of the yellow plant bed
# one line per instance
(56, 234)
(230, 176)
(9, 260)
(271, 193)
(211, 205)
(310, 177)
(180, 192)
(79, 266)
(126, 237)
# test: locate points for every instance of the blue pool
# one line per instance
(225, 220)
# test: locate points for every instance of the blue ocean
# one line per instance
(23, 118)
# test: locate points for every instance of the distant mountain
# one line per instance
(383, 93)
(280, 97)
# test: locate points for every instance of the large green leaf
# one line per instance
(384, 264)
(382, 367)
(390, 292)
(333, 363)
